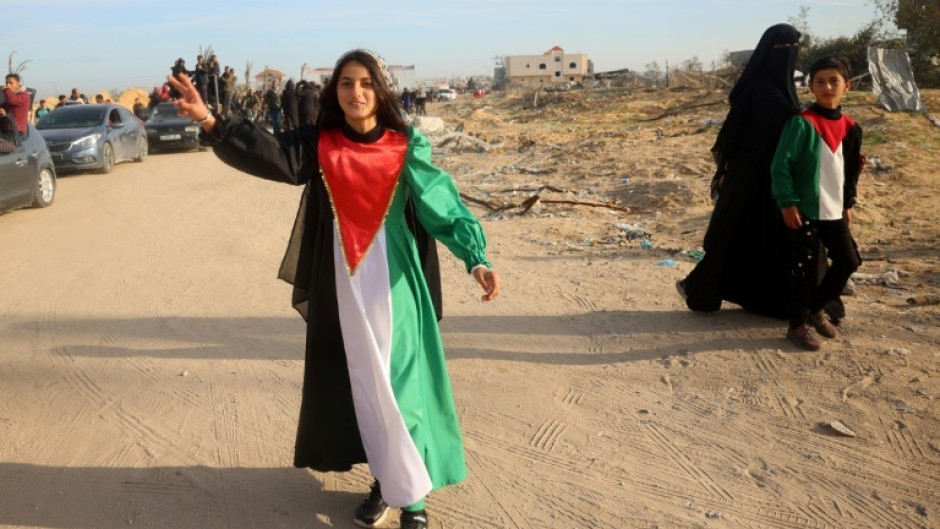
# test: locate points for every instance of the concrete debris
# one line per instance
(841, 429)
(429, 125)
(889, 278)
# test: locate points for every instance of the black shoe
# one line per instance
(414, 520)
(373, 509)
(680, 287)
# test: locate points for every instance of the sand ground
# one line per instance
(150, 364)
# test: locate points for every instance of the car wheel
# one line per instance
(45, 189)
(107, 158)
(142, 149)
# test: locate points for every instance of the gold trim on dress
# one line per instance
(339, 230)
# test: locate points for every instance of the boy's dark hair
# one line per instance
(831, 62)
(14, 76)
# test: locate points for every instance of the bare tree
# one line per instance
(801, 23)
(692, 64)
(19, 67)
(207, 52)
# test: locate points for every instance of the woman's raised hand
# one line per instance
(189, 103)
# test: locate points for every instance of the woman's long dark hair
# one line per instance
(386, 104)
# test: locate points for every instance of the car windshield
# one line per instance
(73, 117)
(164, 113)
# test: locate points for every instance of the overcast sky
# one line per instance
(115, 44)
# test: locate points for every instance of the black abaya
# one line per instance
(743, 260)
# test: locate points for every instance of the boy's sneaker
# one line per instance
(822, 325)
(373, 509)
(414, 520)
(801, 337)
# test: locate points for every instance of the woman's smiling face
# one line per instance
(357, 96)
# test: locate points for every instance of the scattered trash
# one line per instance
(695, 255)
(713, 515)
(665, 262)
(924, 300)
(841, 429)
(902, 407)
(632, 231)
(646, 244)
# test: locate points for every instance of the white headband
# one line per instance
(383, 66)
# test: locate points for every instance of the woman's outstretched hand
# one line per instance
(189, 103)
(489, 280)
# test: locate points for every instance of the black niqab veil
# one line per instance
(773, 59)
(744, 259)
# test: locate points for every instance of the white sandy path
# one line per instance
(150, 373)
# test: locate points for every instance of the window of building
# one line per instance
(527, 66)
(558, 58)
(571, 78)
(572, 65)
(542, 66)
(557, 74)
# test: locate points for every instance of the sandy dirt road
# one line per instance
(150, 374)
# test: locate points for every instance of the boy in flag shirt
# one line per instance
(814, 175)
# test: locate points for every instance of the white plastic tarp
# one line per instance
(893, 80)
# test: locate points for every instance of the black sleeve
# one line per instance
(290, 158)
(427, 253)
(852, 152)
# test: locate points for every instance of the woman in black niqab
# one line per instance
(743, 245)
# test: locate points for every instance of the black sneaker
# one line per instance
(680, 288)
(373, 509)
(414, 520)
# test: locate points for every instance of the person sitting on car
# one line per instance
(140, 110)
(17, 102)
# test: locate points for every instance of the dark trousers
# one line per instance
(807, 294)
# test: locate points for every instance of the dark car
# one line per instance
(93, 137)
(27, 174)
(167, 130)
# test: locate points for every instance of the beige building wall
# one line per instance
(550, 68)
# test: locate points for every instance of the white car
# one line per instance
(446, 94)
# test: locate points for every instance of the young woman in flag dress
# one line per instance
(376, 388)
